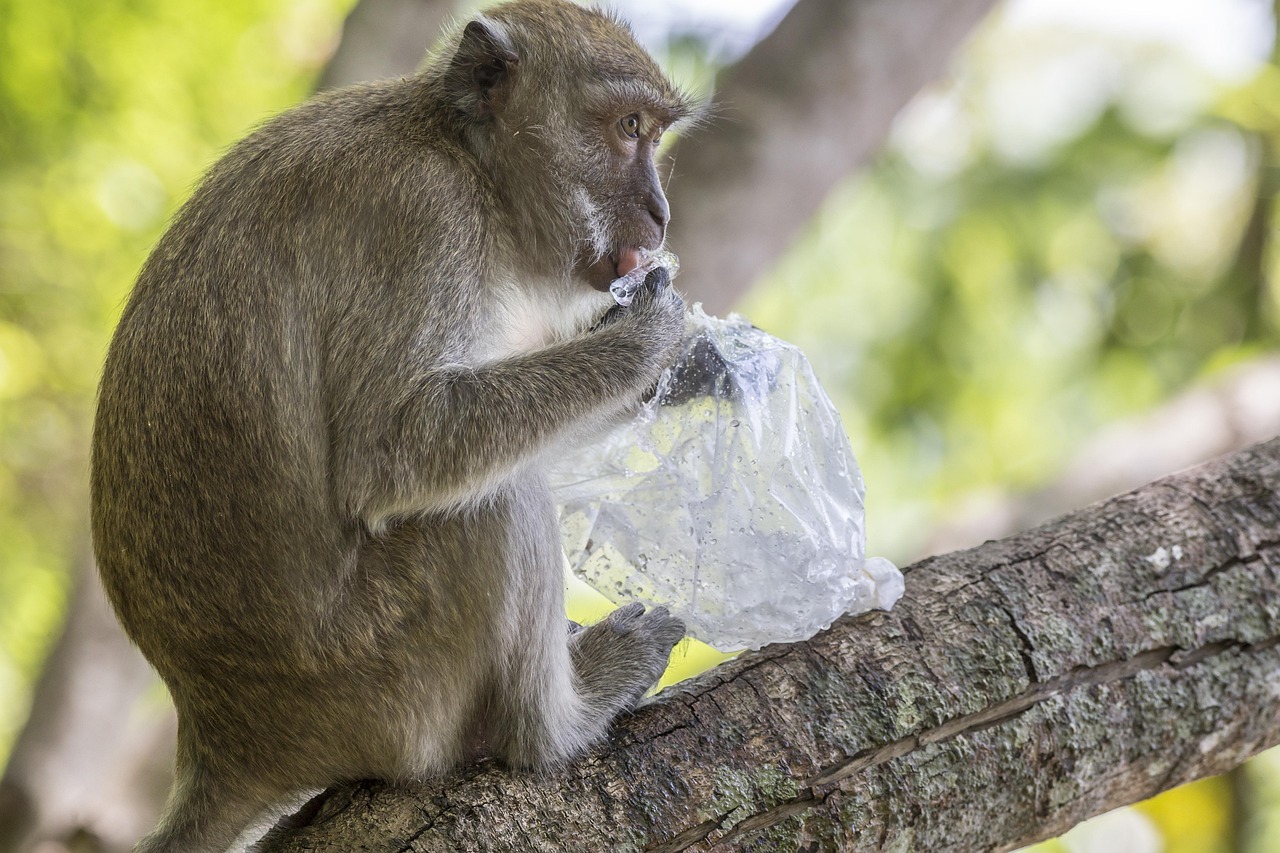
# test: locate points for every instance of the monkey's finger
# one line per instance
(665, 628)
(625, 618)
(627, 612)
(657, 279)
(611, 316)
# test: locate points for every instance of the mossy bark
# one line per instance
(1017, 689)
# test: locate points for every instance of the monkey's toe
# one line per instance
(665, 629)
(624, 619)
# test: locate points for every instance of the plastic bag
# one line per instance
(732, 498)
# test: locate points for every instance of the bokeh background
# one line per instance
(1052, 281)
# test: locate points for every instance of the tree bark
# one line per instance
(1017, 689)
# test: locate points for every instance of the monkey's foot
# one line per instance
(623, 655)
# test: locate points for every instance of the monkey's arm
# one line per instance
(458, 432)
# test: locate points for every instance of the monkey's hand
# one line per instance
(623, 655)
(655, 320)
(655, 282)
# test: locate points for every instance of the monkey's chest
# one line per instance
(525, 318)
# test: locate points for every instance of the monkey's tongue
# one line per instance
(628, 259)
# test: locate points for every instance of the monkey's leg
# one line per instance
(559, 698)
(206, 813)
(556, 693)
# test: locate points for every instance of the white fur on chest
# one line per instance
(528, 316)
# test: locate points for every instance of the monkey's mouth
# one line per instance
(626, 259)
(613, 266)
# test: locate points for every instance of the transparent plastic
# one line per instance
(732, 497)
(624, 289)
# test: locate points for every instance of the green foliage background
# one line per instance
(976, 320)
(110, 112)
(976, 310)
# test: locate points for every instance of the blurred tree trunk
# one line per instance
(384, 38)
(805, 108)
(1236, 408)
(91, 763)
(1016, 689)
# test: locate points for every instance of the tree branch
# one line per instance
(1016, 689)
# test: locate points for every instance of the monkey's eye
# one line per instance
(631, 126)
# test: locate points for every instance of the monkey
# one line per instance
(319, 501)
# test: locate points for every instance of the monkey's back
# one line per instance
(220, 523)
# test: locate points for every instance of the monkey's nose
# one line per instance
(659, 210)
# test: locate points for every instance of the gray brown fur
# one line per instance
(319, 505)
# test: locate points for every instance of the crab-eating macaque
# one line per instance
(319, 501)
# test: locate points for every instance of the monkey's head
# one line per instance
(564, 112)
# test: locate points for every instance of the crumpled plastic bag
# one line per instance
(732, 498)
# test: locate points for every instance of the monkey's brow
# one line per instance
(666, 103)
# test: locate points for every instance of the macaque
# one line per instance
(319, 501)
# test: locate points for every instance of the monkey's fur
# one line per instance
(318, 499)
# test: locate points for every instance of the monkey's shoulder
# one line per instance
(379, 143)
(352, 177)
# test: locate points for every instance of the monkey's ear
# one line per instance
(480, 74)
